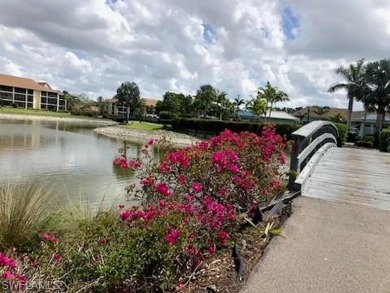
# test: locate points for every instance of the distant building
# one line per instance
(276, 117)
(29, 94)
(362, 122)
(116, 109)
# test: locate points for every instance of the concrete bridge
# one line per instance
(338, 238)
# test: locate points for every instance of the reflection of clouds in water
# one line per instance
(77, 164)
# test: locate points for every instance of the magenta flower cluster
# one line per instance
(194, 192)
(8, 270)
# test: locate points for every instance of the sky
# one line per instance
(90, 47)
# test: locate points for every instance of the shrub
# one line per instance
(165, 115)
(366, 141)
(384, 138)
(218, 126)
(25, 211)
(343, 131)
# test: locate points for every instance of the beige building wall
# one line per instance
(37, 100)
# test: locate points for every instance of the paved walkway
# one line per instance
(331, 246)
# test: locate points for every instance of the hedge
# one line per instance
(217, 126)
(384, 137)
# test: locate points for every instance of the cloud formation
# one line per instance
(92, 46)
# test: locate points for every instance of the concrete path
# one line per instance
(329, 247)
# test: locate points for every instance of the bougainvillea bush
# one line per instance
(192, 202)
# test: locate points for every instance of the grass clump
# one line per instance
(25, 212)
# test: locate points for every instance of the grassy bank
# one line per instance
(42, 113)
(19, 111)
(145, 126)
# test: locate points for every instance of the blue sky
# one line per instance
(290, 23)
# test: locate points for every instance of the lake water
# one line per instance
(69, 157)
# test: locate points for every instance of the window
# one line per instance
(5, 88)
(20, 90)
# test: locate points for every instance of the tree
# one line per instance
(238, 102)
(354, 83)
(220, 101)
(177, 104)
(376, 90)
(337, 118)
(204, 98)
(257, 105)
(128, 95)
(272, 95)
(320, 111)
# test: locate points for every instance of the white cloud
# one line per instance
(91, 47)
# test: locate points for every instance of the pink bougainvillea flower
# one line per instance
(7, 261)
(49, 237)
(234, 168)
(212, 249)
(182, 179)
(172, 236)
(8, 275)
(147, 181)
(57, 257)
(125, 215)
(197, 187)
(223, 236)
(163, 189)
(164, 168)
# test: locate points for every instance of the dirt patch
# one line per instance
(219, 274)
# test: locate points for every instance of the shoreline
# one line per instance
(177, 139)
(55, 119)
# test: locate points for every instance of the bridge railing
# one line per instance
(310, 143)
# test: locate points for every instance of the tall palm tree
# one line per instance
(220, 99)
(205, 95)
(238, 102)
(376, 92)
(354, 82)
(272, 95)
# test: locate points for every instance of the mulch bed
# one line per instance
(219, 274)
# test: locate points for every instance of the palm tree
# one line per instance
(128, 94)
(257, 105)
(204, 98)
(272, 95)
(376, 92)
(354, 82)
(238, 102)
(220, 99)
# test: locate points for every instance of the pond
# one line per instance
(68, 157)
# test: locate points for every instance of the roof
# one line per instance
(149, 102)
(146, 101)
(313, 114)
(274, 115)
(26, 83)
(357, 116)
(281, 115)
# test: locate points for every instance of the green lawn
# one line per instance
(143, 126)
(20, 111)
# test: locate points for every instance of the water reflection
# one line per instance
(67, 156)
